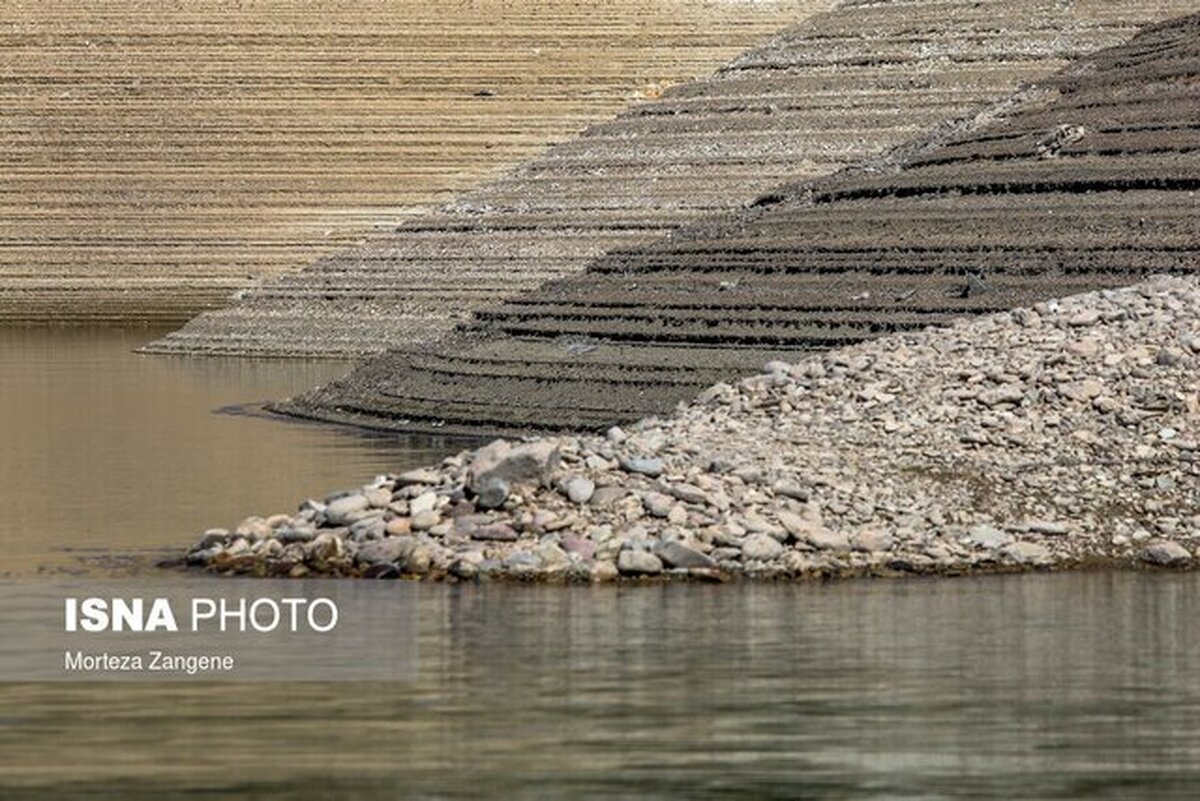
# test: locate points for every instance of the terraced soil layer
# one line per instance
(156, 157)
(1086, 181)
(837, 89)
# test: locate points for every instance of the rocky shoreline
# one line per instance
(1063, 435)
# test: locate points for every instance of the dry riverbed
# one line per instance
(1056, 436)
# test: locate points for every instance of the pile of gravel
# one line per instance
(1055, 436)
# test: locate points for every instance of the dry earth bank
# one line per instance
(839, 88)
(156, 157)
(1086, 180)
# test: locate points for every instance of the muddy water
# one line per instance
(1068, 686)
(107, 454)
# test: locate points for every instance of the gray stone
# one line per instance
(871, 540)
(1026, 553)
(688, 493)
(1009, 393)
(425, 502)
(214, 536)
(369, 528)
(583, 547)
(761, 546)
(392, 550)
(423, 521)
(500, 532)
(378, 497)
(646, 466)
(634, 563)
(529, 461)
(491, 492)
(607, 496)
(552, 556)
(520, 562)
(604, 571)
(344, 510)
(676, 554)
(290, 534)
(985, 536)
(1165, 553)
(1048, 528)
(790, 489)
(418, 477)
(579, 489)
(823, 539)
(657, 504)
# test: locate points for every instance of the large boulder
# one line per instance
(513, 464)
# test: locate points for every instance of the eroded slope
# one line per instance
(839, 88)
(1086, 181)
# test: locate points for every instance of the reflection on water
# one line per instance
(1069, 686)
(104, 450)
(1066, 686)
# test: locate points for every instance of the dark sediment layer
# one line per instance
(1086, 181)
(840, 88)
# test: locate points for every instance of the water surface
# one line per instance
(104, 452)
(1061, 686)
(1054, 686)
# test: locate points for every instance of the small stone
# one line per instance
(425, 502)
(378, 498)
(214, 536)
(398, 527)
(418, 477)
(645, 466)
(343, 511)
(521, 563)
(500, 532)
(657, 504)
(604, 571)
(1165, 553)
(605, 497)
(385, 551)
(584, 548)
(1048, 528)
(423, 521)
(871, 540)
(824, 539)
(634, 563)
(761, 546)
(1009, 393)
(491, 492)
(676, 554)
(579, 489)
(369, 528)
(688, 493)
(985, 536)
(292, 534)
(1083, 318)
(1026, 553)
(790, 489)
(552, 556)
(1080, 391)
